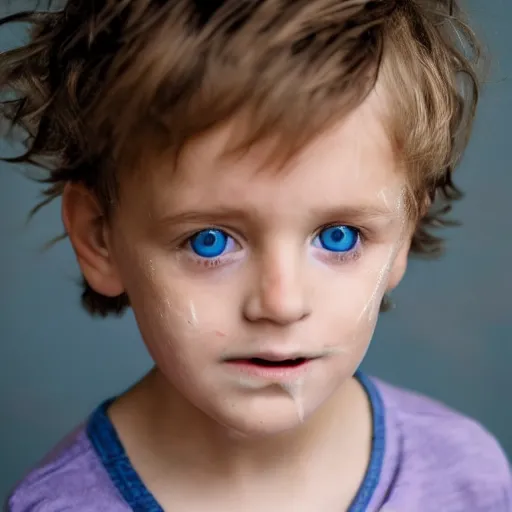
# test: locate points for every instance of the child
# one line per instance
(249, 176)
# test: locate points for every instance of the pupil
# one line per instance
(337, 235)
(209, 239)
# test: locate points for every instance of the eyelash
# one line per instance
(334, 257)
(345, 257)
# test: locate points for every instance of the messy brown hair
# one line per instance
(101, 83)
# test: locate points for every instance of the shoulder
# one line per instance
(70, 478)
(445, 451)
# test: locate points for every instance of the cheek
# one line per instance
(175, 316)
(352, 300)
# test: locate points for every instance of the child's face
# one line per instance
(286, 264)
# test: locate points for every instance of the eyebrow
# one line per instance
(218, 213)
(358, 213)
(363, 212)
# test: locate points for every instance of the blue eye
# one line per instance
(338, 238)
(209, 243)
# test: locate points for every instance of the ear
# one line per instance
(88, 232)
(399, 266)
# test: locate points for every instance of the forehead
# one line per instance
(351, 164)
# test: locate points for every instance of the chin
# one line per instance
(262, 417)
(254, 429)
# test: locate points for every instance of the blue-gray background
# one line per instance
(450, 335)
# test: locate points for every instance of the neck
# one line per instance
(341, 428)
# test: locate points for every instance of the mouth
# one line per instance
(285, 363)
(271, 369)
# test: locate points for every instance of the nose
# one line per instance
(279, 294)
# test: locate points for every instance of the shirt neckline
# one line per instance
(108, 447)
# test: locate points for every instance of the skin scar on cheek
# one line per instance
(370, 307)
(193, 313)
(189, 319)
(151, 269)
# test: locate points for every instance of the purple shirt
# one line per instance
(425, 458)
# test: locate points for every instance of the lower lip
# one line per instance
(270, 372)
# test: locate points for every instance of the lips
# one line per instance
(266, 363)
